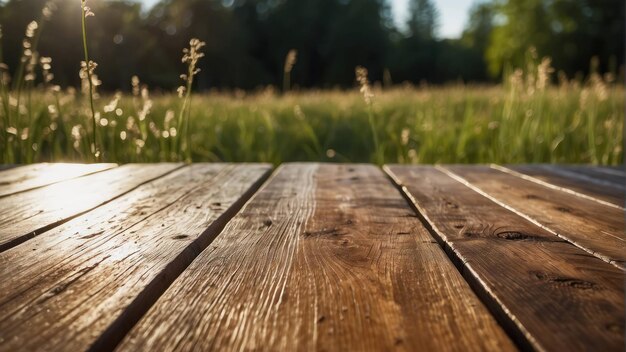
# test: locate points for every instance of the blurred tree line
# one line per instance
(247, 40)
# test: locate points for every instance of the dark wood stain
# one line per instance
(549, 294)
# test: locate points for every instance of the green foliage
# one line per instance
(247, 40)
(456, 124)
(423, 20)
(569, 31)
(526, 119)
(525, 26)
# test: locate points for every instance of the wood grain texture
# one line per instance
(85, 283)
(25, 215)
(569, 180)
(606, 176)
(616, 170)
(4, 167)
(34, 176)
(596, 228)
(549, 294)
(324, 257)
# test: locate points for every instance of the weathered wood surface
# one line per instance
(29, 177)
(597, 228)
(549, 294)
(7, 166)
(25, 215)
(608, 176)
(617, 170)
(325, 257)
(570, 181)
(85, 283)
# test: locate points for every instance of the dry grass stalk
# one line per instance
(290, 62)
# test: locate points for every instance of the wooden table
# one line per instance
(166, 257)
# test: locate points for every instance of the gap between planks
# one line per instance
(324, 257)
(26, 215)
(557, 187)
(519, 335)
(594, 228)
(478, 267)
(97, 274)
(125, 324)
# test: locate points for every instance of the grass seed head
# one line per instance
(134, 81)
(290, 60)
(364, 83)
(46, 12)
(191, 56)
(31, 29)
(86, 9)
(30, 68)
(544, 73)
(86, 72)
(404, 136)
(112, 105)
(46, 66)
(87, 68)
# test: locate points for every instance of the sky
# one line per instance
(452, 14)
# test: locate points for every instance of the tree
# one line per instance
(414, 57)
(583, 29)
(247, 40)
(424, 19)
(475, 39)
(480, 25)
(569, 31)
(525, 24)
(359, 37)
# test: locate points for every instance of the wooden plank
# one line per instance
(325, 257)
(594, 227)
(84, 284)
(38, 175)
(597, 175)
(25, 215)
(615, 170)
(549, 294)
(4, 167)
(567, 181)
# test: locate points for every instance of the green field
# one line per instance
(520, 122)
(533, 116)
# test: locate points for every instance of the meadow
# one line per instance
(510, 123)
(454, 124)
(533, 116)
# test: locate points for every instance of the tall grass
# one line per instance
(525, 119)
(365, 89)
(191, 56)
(573, 123)
(290, 61)
(87, 71)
